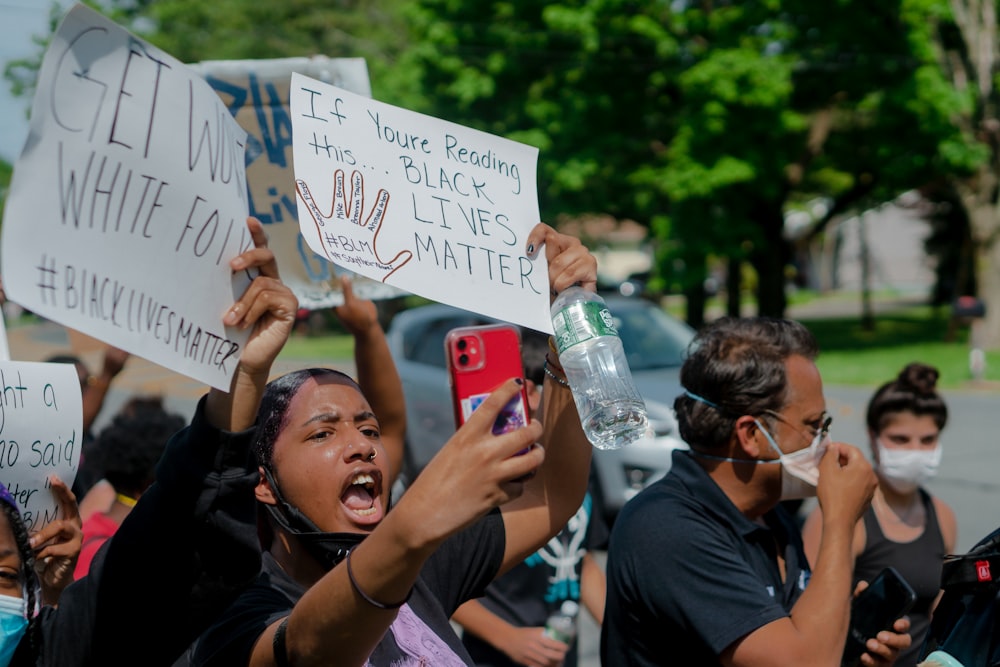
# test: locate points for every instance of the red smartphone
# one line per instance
(480, 359)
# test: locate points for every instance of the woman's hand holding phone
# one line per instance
(480, 359)
(878, 629)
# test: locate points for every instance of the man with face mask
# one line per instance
(704, 566)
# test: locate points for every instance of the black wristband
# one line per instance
(278, 644)
(367, 598)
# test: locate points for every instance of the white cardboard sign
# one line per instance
(4, 347)
(41, 432)
(256, 93)
(128, 202)
(429, 206)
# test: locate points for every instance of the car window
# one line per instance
(425, 345)
(651, 338)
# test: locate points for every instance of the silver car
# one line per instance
(655, 344)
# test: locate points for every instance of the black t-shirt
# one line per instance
(537, 587)
(459, 570)
(688, 574)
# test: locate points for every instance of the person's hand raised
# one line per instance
(57, 545)
(267, 305)
(357, 315)
(114, 360)
(570, 263)
(474, 472)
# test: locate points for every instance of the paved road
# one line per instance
(968, 478)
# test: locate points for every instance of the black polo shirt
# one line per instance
(688, 574)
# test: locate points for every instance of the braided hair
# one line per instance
(28, 577)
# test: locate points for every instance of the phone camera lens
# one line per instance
(462, 344)
(463, 359)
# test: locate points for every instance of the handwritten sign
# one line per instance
(429, 206)
(41, 428)
(128, 202)
(4, 347)
(256, 93)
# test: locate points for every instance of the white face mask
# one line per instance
(799, 470)
(906, 469)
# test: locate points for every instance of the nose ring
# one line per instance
(373, 455)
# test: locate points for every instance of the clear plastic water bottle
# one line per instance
(611, 411)
(561, 624)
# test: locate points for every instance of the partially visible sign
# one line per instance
(256, 92)
(4, 347)
(41, 432)
(128, 202)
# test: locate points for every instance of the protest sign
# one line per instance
(128, 202)
(429, 206)
(41, 432)
(4, 347)
(256, 93)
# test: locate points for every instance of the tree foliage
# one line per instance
(706, 121)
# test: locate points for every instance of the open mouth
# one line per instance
(361, 496)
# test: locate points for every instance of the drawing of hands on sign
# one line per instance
(345, 233)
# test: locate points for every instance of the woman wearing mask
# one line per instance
(905, 526)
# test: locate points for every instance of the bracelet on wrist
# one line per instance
(561, 381)
(554, 364)
(278, 645)
(367, 598)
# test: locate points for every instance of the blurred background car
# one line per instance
(654, 342)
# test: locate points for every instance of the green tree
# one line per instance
(21, 73)
(970, 57)
(842, 100)
(706, 121)
(6, 171)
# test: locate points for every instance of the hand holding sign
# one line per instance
(131, 190)
(349, 232)
(57, 545)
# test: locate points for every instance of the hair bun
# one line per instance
(919, 377)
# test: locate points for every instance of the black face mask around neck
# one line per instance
(328, 548)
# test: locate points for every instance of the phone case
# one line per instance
(480, 359)
(876, 608)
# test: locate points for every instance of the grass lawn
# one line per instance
(332, 347)
(852, 356)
